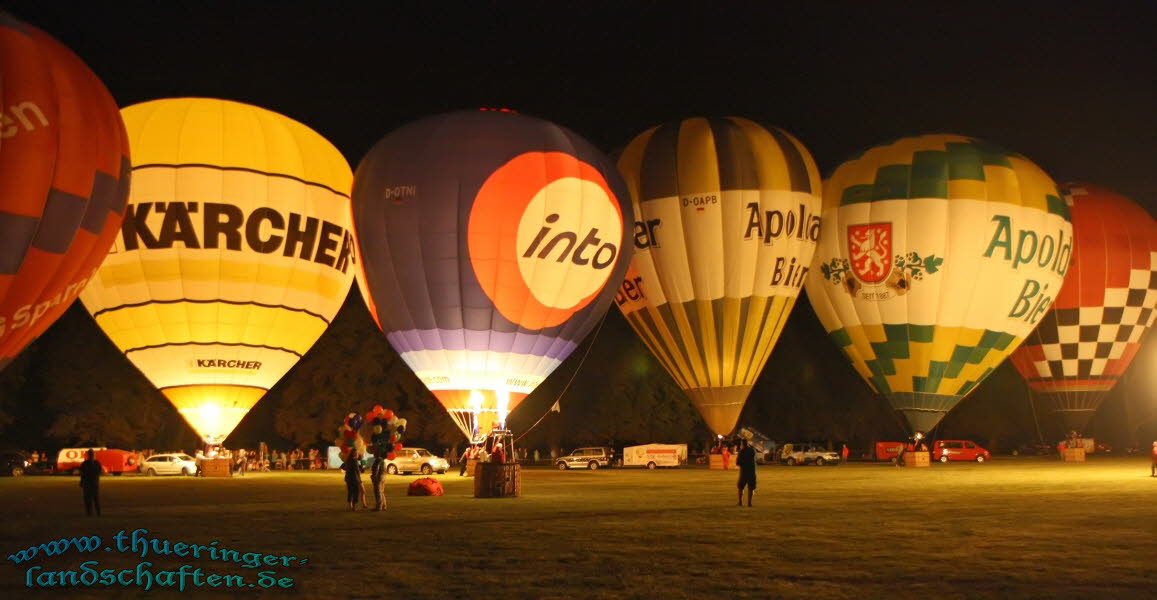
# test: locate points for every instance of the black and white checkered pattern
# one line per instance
(1075, 350)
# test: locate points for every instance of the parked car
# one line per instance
(13, 463)
(588, 458)
(946, 450)
(808, 454)
(169, 464)
(421, 460)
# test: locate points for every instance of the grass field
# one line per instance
(1023, 527)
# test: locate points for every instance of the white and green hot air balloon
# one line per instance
(938, 255)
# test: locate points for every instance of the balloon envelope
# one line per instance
(1085, 343)
(64, 172)
(727, 218)
(487, 240)
(938, 255)
(235, 255)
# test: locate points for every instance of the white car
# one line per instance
(409, 460)
(807, 454)
(169, 464)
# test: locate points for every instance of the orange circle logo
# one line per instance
(543, 237)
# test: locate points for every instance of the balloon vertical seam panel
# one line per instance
(62, 169)
(236, 254)
(728, 213)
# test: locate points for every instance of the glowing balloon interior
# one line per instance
(64, 173)
(938, 255)
(235, 254)
(1095, 328)
(488, 239)
(727, 221)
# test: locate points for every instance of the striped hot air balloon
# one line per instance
(939, 254)
(727, 219)
(64, 172)
(488, 239)
(1085, 343)
(235, 253)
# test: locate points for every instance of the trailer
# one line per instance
(889, 451)
(653, 456)
(111, 460)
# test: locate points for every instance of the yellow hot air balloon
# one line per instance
(727, 219)
(939, 254)
(235, 254)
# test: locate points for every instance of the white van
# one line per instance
(655, 455)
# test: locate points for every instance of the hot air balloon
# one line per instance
(1084, 344)
(487, 241)
(727, 219)
(64, 166)
(939, 254)
(235, 254)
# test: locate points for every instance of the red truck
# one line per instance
(111, 460)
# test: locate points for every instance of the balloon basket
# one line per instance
(1073, 455)
(216, 467)
(498, 480)
(715, 461)
(917, 459)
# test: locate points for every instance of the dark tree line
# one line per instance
(73, 387)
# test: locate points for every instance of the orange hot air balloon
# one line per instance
(1109, 300)
(64, 168)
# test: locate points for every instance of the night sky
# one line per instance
(1073, 86)
(1070, 85)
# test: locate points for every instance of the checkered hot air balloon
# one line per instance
(488, 239)
(727, 219)
(1095, 328)
(939, 254)
(236, 253)
(64, 173)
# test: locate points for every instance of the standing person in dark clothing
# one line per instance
(467, 454)
(746, 463)
(378, 479)
(90, 483)
(353, 479)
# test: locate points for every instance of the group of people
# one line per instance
(492, 451)
(355, 493)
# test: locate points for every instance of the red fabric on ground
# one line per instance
(426, 486)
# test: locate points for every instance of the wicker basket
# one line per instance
(498, 480)
(216, 467)
(1073, 455)
(715, 461)
(917, 459)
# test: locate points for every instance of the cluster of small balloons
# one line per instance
(349, 436)
(386, 430)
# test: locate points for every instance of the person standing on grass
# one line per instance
(378, 479)
(726, 452)
(1153, 461)
(467, 454)
(746, 463)
(844, 453)
(90, 483)
(353, 479)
